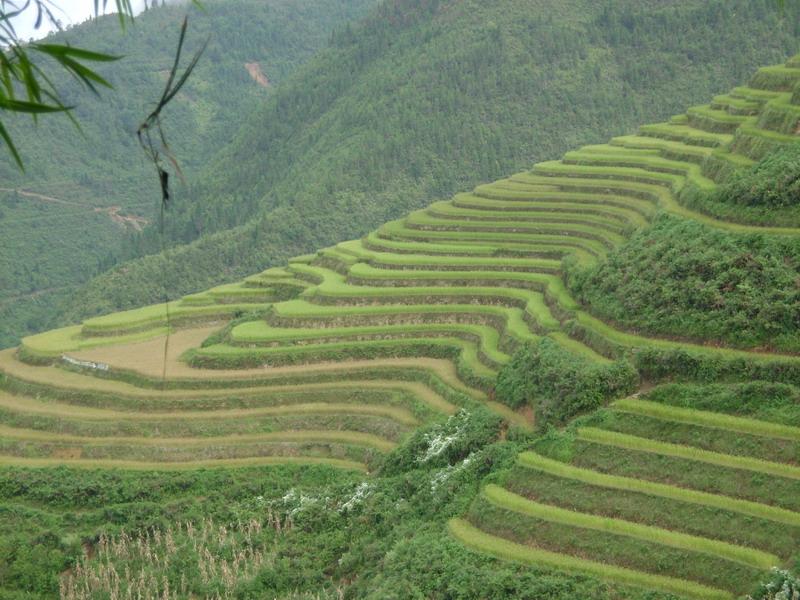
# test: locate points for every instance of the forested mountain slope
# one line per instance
(496, 436)
(427, 97)
(66, 218)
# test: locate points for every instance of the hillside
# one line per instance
(68, 217)
(496, 438)
(425, 98)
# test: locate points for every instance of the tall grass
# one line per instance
(181, 561)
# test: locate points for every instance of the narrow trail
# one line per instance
(45, 198)
(113, 212)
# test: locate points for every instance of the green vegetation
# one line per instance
(698, 520)
(679, 278)
(76, 210)
(559, 385)
(559, 469)
(688, 473)
(483, 542)
(612, 549)
(288, 184)
(773, 402)
(707, 437)
(631, 442)
(303, 529)
(782, 583)
(708, 419)
(504, 499)
(646, 506)
(773, 183)
(433, 361)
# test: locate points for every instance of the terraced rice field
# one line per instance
(344, 414)
(681, 500)
(462, 283)
(339, 355)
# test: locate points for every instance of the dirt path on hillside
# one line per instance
(43, 198)
(132, 221)
(135, 222)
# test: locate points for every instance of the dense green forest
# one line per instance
(425, 98)
(84, 191)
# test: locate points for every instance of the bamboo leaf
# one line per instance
(55, 50)
(83, 73)
(11, 147)
(30, 107)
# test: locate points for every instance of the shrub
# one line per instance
(445, 443)
(773, 182)
(558, 384)
(681, 278)
(782, 585)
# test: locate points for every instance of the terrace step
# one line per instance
(732, 552)
(535, 461)
(631, 442)
(480, 541)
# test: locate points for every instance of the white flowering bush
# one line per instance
(445, 443)
(783, 585)
(294, 502)
(442, 476)
(443, 436)
(362, 492)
